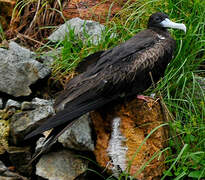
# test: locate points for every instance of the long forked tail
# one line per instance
(62, 121)
(65, 118)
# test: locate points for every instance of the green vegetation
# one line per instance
(2, 36)
(180, 89)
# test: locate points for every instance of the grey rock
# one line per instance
(11, 103)
(78, 136)
(42, 102)
(19, 69)
(50, 56)
(21, 51)
(92, 28)
(1, 103)
(26, 121)
(27, 106)
(36, 102)
(62, 165)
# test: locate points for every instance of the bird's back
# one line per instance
(124, 68)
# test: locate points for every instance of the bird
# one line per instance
(119, 72)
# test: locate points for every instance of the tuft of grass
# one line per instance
(184, 95)
(181, 91)
(2, 35)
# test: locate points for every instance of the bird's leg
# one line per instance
(142, 97)
(148, 99)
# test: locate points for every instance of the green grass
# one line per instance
(2, 36)
(181, 91)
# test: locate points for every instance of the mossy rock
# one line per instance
(4, 133)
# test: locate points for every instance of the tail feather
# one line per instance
(50, 140)
(62, 121)
(67, 116)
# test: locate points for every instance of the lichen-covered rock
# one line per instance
(121, 137)
(4, 133)
(26, 121)
(12, 103)
(36, 102)
(92, 28)
(5, 114)
(19, 69)
(78, 136)
(61, 165)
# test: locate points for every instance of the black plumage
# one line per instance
(107, 75)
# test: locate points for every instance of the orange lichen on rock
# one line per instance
(138, 119)
(142, 119)
(102, 129)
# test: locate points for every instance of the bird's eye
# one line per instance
(157, 19)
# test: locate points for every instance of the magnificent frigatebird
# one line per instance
(108, 75)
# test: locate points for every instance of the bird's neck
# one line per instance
(162, 31)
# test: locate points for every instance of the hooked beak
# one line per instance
(169, 24)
